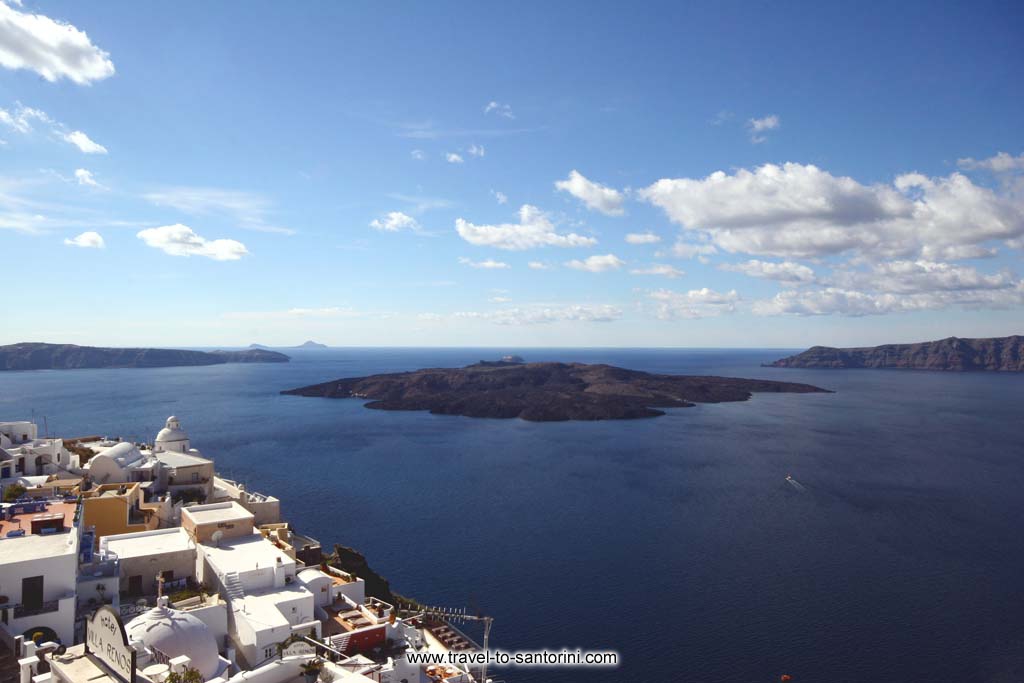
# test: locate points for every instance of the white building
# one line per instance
(24, 454)
(163, 635)
(39, 544)
(145, 555)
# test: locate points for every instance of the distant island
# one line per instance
(305, 345)
(994, 354)
(543, 392)
(39, 356)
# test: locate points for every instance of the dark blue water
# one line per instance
(675, 540)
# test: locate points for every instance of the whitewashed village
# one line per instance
(136, 562)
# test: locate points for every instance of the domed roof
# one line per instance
(124, 453)
(171, 432)
(175, 633)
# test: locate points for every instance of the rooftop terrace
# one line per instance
(40, 518)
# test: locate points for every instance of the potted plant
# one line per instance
(311, 670)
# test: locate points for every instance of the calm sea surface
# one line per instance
(676, 540)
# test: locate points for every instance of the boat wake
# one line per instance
(795, 484)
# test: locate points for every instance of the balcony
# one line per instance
(21, 611)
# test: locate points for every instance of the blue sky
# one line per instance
(218, 174)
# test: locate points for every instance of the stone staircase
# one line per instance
(8, 664)
(233, 587)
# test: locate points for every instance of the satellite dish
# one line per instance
(217, 535)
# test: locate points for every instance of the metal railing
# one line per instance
(21, 611)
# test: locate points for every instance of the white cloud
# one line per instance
(690, 250)
(499, 109)
(395, 221)
(642, 238)
(837, 301)
(959, 251)
(1000, 163)
(87, 240)
(785, 271)
(53, 49)
(900, 287)
(84, 143)
(180, 240)
(913, 277)
(453, 158)
(593, 195)
(85, 177)
(696, 303)
(499, 300)
(721, 117)
(476, 150)
(246, 209)
(418, 154)
(534, 229)
(597, 263)
(21, 118)
(538, 265)
(798, 211)
(659, 269)
(500, 197)
(544, 314)
(758, 127)
(488, 264)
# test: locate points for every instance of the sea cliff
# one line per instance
(994, 354)
(39, 356)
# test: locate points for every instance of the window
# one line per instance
(32, 592)
(195, 477)
(268, 652)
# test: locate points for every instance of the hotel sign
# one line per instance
(106, 640)
(298, 648)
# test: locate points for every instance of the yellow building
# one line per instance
(119, 509)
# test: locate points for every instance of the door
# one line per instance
(135, 585)
(32, 592)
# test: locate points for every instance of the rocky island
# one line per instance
(39, 356)
(543, 392)
(996, 354)
(310, 344)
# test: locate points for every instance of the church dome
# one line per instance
(173, 633)
(172, 432)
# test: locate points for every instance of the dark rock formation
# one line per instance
(998, 354)
(354, 562)
(38, 356)
(543, 391)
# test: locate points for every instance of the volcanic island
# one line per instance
(544, 392)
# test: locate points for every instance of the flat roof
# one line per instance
(79, 666)
(145, 543)
(32, 547)
(245, 554)
(263, 607)
(214, 513)
(176, 459)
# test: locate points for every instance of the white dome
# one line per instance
(172, 432)
(123, 453)
(174, 633)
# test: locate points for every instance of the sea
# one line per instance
(894, 553)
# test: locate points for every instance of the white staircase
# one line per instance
(232, 586)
